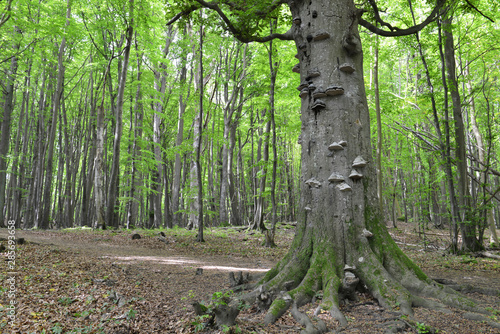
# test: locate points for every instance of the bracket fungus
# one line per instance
(335, 177)
(359, 162)
(367, 234)
(318, 105)
(346, 67)
(296, 68)
(349, 268)
(313, 73)
(343, 143)
(297, 20)
(334, 90)
(319, 93)
(335, 146)
(344, 187)
(312, 182)
(355, 175)
(304, 93)
(302, 85)
(349, 274)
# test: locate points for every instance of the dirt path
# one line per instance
(124, 250)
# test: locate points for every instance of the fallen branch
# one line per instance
(488, 255)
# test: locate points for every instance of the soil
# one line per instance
(83, 281)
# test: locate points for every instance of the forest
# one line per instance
(341, 118)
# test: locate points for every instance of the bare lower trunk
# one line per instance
(111, 215)
(258, 220)
(467, 226)
(47, 190)
(176, 183)
(5, 135)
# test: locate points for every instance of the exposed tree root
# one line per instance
(467, 288)
(372, 264)
(396, 284)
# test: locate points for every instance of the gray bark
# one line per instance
(467, 226)
(111, 216)
(56, 103)
(136, 178)
(176, 183)
(5, 128)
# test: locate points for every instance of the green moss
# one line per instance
(270, 274)
(277, 307)
(383, 244)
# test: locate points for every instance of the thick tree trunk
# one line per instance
(340, 239)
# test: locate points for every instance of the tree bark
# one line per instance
(273, 69)
(379, 129)
(111, 216)
(467, 225)
(136, 181)
(481, 149)
(199, 199)
(340, 239)
(176, 183)
(5, 128)
(47, 189)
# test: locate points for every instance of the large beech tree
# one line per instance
(341, 241)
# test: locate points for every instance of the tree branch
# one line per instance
(230, 26)
(395, 31)
(477, 10)
(182, 14)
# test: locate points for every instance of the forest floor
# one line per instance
(84, 281)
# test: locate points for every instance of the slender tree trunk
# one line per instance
(482, 159)
(273, 68)
(379, 129)
(199, 199)
(111, 215)
(47, 190)
(5, 128)
(19, 162)
(258, 222)
(136, 181)
(176, 183)
(467, 226)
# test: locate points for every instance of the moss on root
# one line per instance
(315, 264)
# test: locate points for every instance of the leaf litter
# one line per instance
(81, 281)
